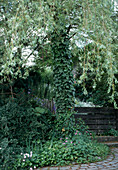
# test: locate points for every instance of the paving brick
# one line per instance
(65, 168)
(112, 168)
(115, 166)
(82, 165)
(109, 159)
(53, 168)
(75, 167)
(93, 168)
(92, 164)
(100, 166)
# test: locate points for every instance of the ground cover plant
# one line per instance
(78, 148)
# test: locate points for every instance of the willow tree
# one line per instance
(98, 57)
(60, 27)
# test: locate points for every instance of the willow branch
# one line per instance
(37, 47)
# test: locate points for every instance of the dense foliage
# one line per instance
(20, 125)
(29, 134)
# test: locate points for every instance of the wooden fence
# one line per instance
(98, 119)
(50, 104)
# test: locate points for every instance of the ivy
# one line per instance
(62, 69)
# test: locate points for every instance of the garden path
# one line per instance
(111, 163)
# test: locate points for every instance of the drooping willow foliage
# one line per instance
(89, 29)
(99, 56)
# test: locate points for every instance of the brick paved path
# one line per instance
(111, 163)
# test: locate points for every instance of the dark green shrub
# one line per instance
(111, 132)
(21, 124)
(38, 83)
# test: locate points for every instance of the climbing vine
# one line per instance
(62, 70)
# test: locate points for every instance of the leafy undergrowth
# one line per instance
(30, 138)
(79, 149)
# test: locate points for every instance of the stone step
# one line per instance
(111, 144)
(107, 138)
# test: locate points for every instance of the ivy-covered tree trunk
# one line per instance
(63, 78)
